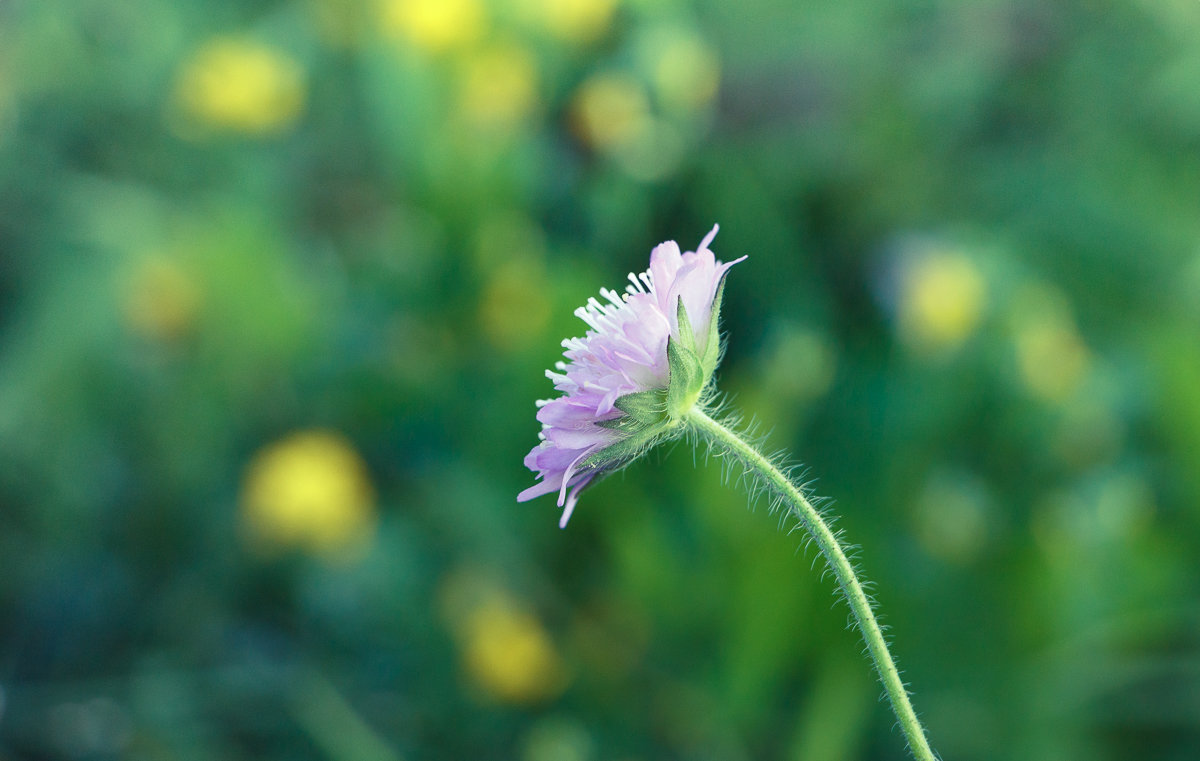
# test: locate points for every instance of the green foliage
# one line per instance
(314, 257)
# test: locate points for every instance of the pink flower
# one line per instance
(619, 396)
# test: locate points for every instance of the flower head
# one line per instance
(646, 359)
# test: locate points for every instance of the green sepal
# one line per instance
(687, 338)
(624, 424)
(642, 409)
(712, 349)
(624, 450)
(646, 406)
(686, 379)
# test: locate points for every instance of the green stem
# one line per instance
(781, 485)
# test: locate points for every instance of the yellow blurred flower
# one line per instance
(942, 298)
(1052, 360)
(1051, 356)
(434, 25)
(509, 655)
(498, 86)
(610, 111)
(241, 85)
(506, 652)
(161, 299)
(309, 490)
(571, 20)
(684, 70)
(514, 309)
(509, 253)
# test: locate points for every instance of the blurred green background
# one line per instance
(279, 282)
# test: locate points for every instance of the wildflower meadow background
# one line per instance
(279, 281)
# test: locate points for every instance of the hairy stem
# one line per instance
(725, 439)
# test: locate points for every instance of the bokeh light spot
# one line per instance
(610, 111)
(514, 309)
(162, 299)
(498, 86)
(507, 654)
(309, 490)
(684, 71)
(575, 21)
(434, 25)
(1052, 358)
(943, 295)
(242, 85)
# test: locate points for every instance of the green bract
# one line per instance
(653, 415)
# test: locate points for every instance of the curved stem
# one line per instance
(780, 484)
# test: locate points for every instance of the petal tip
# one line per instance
(570, 507)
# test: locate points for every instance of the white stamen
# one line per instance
(583, 314)
(601, 315)
(614, 297)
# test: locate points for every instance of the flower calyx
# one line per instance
(656, 413)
